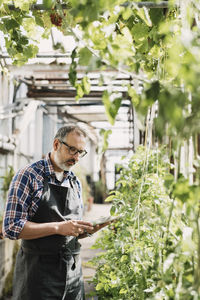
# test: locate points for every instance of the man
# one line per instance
(44, 209)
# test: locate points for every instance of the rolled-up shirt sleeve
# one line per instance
(17, 206)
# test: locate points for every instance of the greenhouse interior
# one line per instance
(99, 150)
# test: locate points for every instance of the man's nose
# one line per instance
(76, 156)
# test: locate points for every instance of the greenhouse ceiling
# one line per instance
(47, 80)
(50, 85)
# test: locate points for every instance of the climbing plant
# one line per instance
(157, 47)
(152, 252)
(7, 179)
(4, 188)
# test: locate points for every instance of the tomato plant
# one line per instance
(152, 252)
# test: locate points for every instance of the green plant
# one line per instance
(153, 251)
(7, 290)
(5, 186)
(7, 180)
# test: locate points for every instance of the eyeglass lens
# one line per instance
(74, 151)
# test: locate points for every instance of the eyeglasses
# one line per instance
(73, 150)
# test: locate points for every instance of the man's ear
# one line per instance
(56, 144)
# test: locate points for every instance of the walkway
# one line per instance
(98, 210)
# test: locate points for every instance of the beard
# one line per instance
(64, 165)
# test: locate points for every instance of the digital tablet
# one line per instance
(103, 220)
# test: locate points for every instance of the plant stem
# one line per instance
(197, 271)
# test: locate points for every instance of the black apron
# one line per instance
(49, 268)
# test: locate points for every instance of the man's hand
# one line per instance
(95, 229)
(74, 227)
(33, 230)
(98, 227)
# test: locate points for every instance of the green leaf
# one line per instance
(99, 286)
(140, 33)
(124, 258)
(105, 134)
(134, 96)
(30, 51)
(113, 210)
(97, 36)
(126, 32)
(46, 20)
(72, 75)
(127, 13)
(86, 85)
(39, 21)
(181, 189)
(7, 178)
(143, 13)
(23, 40)
(23, 4)
(85, 56)
(79, 90)
(111, 106)
(122, 47)
(49, 3)
(59, 46)
(168, 181)
(110, 198)
(123, 291)
(30, 27)
(156, 15)
(10, 24)
(72, 70)
(153, 92)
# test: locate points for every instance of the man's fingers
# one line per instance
(84, 223)
(79, 227)
(80, 230)
(87, 228)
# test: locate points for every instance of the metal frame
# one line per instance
(162, 4)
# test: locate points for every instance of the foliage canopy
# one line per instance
(158, 48)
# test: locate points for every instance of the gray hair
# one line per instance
(65, 130)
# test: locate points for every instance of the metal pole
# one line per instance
(38, 7)
(42, 56)
(162, 4)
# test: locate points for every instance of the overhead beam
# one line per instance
(43, 55)
(67, 93)
(162, 4)
(39, 7)
(81, 104)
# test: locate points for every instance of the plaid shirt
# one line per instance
(25, 194)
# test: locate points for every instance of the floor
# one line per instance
(97, 210)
